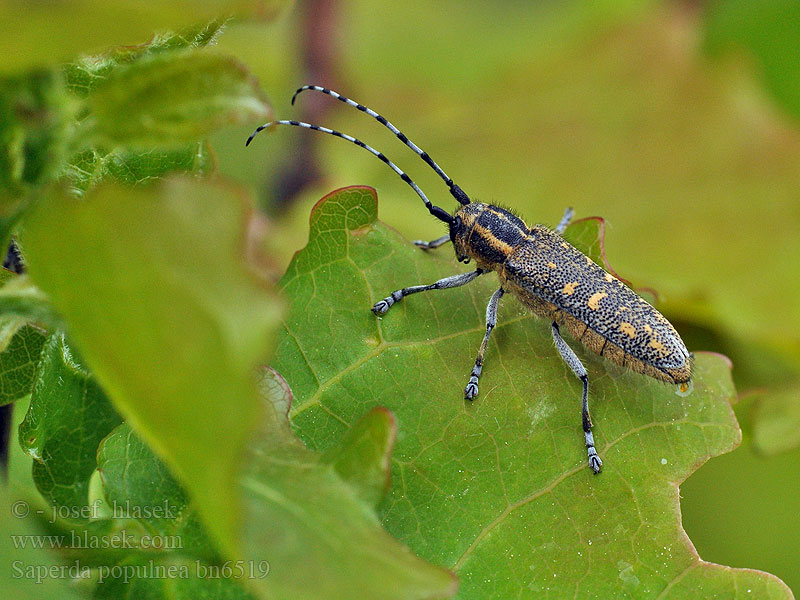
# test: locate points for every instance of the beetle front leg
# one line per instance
(491, 320)
(384, 305)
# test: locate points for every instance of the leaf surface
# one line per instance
(68, 417)
(323, 539)
(142, 495)
(18, 360)
(498, 488)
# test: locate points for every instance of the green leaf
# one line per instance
(364, 457)
(138, 486)
(321, 540)
(84, 75)
(90, 167)
(19, 297)
(155, 287)
(139, 489)
(68, 417)
(18, 360)
(497, 489)
(51, 33)
(174, 98)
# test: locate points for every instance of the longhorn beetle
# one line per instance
(547, 274)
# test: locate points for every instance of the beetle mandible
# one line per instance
(547, 274)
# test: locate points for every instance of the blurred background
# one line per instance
(678, 122)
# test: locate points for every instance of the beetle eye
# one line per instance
(455, 226)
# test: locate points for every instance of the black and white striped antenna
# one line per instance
(436, 211)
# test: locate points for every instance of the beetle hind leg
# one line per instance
(574, 363)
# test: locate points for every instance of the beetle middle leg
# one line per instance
(384, 305)
(574, 363)
(491, 320)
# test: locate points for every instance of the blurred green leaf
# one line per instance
(35, 115)
(176, 322)
(770, 35)
(174, 98)
(68, 417)
(47, 33)
(86, 73)
(91, 167)
(20, 298)
(321, 540)
(507, 472)
(363, 459)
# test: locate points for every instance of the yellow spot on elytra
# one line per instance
(609, 277)
(552, 265)
(594, 301)
(564, 245)
(588, 260)
(648, 329)
(628, 329)
(657, 346)
(569, 288)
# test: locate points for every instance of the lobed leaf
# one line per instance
(497, 489)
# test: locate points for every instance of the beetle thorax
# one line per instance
(488, 234)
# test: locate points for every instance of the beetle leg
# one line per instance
(574, 363)
(384, 305)
(432, 244)
(491, 320)
(562, 225)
